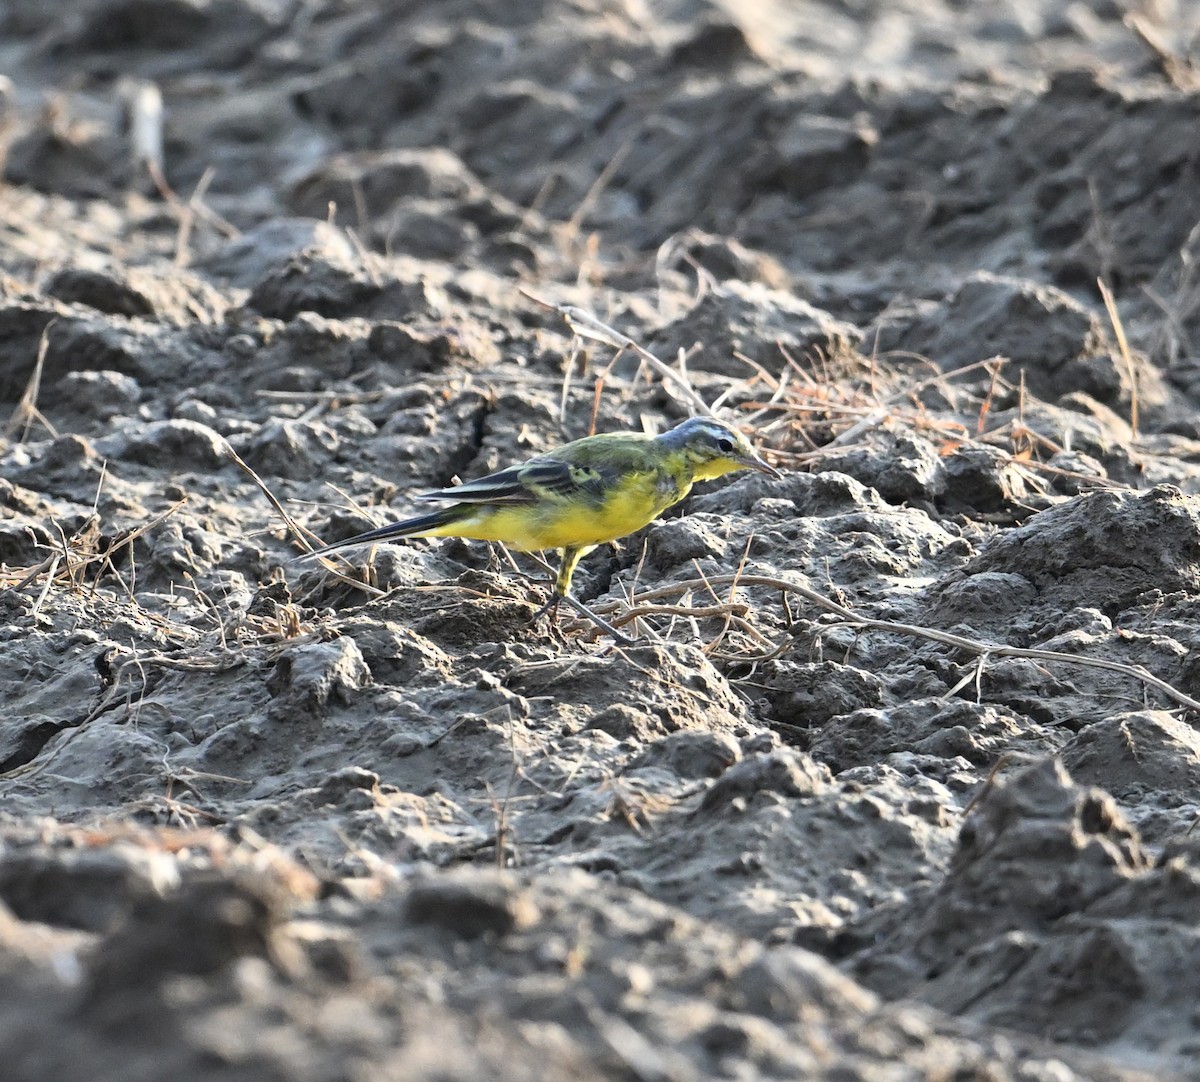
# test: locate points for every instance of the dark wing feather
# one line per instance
(536, 479)
(504, 486)
(565, 481)
(586, 469)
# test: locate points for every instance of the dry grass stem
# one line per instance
(74, 555)
(187, 213)
(1114, 317)
(585, 325)
(597, 186)
(852, 619)
(26, 413)
(299, 532)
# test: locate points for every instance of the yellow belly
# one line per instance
(561, 524)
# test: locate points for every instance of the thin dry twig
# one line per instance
(588, 326)
(187, 216)
(299, 532)
(26, 412)
(597, 186)
(195, 206)
(1114, 317)
(74, 555)
(947, 638)
(329, 398)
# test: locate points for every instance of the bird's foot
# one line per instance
(618, 636)
(549, 609)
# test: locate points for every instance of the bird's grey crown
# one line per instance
(703, 430)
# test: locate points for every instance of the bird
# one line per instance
(586, 493)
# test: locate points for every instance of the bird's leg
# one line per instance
(562, 583)
(561, 592)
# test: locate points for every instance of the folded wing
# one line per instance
(538, 479)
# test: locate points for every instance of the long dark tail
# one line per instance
(409, 527)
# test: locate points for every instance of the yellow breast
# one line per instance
(569, 523)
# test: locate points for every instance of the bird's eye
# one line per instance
(724, 446)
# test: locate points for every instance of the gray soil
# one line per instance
(261, 822)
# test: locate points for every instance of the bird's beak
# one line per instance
(755, 462)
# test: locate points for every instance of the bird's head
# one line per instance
(713, 448)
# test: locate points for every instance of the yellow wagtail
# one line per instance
(576, 497)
